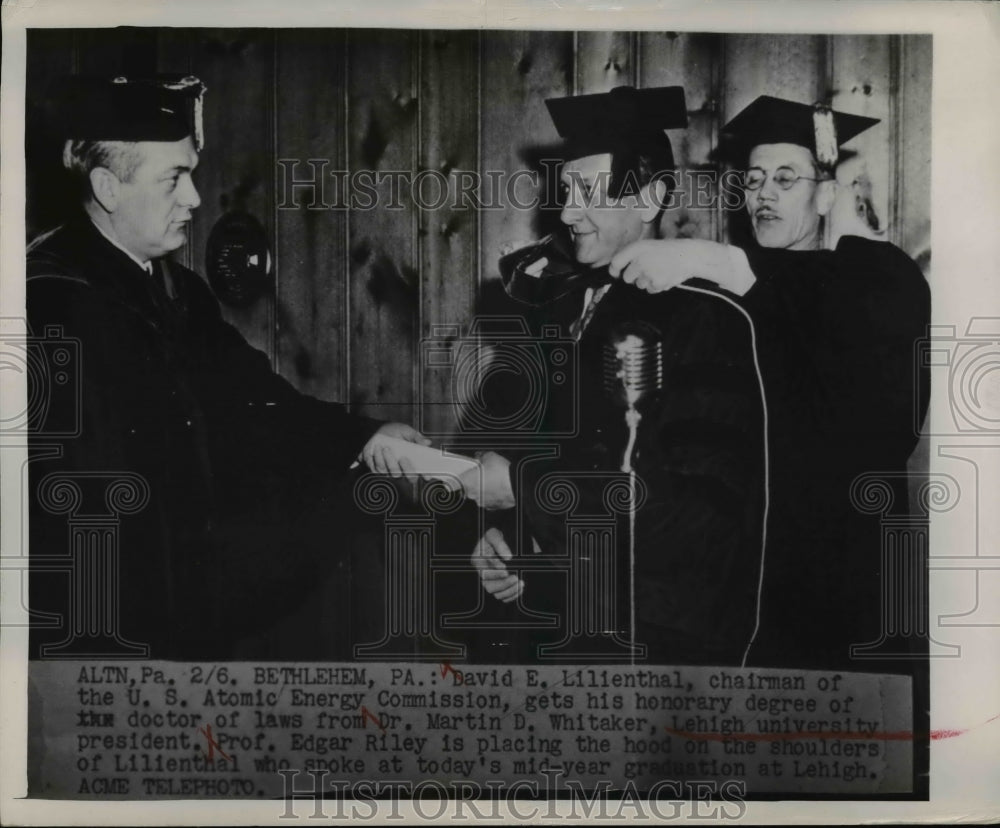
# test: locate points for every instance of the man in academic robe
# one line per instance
(836, 334)
(222, 483)
(668, 408)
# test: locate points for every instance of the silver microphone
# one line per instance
(633, 370)
(633, 363)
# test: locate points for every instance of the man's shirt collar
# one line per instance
(145, 265)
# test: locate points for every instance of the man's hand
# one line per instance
(657, 265)
(489, 483)
(381, 459)
(488, 557)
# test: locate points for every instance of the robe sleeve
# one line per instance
(290, 429)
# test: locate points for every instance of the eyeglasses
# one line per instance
(784, 177)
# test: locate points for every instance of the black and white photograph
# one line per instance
(551, 420)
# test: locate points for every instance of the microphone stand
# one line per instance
(632, 419)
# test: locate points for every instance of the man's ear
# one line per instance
(826, 194)
(654, 199)
(105, 186)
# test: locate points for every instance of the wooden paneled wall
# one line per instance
(357, 290)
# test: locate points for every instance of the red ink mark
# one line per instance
(367, 714)
(447, 668)
(946, 734)
(206, 731)
(877, 736)
(949, 734)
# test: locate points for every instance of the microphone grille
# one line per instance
(632, 363)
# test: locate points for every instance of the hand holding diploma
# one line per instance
(399, 450)
(489, 482)
(383, 453)
(408, 453)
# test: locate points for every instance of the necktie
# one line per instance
(591, 299)
(162, 280)
(161, 289)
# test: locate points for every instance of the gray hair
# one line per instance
(121, 157)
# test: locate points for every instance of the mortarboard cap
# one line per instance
(162, 108)
(625, 117)
(770, 120)
(625, 122)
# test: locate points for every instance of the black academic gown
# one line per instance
(837, 333)
(242, 470)
(698, 459)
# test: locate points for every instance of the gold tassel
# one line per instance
(199, 122)
(826, 136)
(199, 128)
